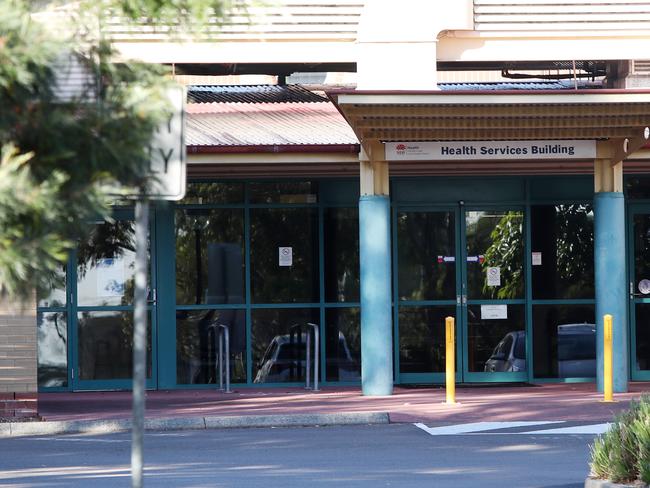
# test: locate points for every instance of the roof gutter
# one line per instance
(275, 149)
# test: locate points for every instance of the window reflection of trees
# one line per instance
(564, 237)
(52, 334)
(203, 236)
(274, 228)
(503, 241)
(422, 237)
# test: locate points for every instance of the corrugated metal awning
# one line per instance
(495, 116)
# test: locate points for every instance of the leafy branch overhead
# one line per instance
(74, 125)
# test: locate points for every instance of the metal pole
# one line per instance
(227, 336)
(608, 376)
(217, 331)
(139, 340)
(308, 359)
(316, 354)
(450, 354)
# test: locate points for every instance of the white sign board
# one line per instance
(494, 312)
(285, 256)
(494, 276)
(168, 160)
(490, 150)
(537, 258)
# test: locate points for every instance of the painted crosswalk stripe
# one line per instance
(576, 429)
(480, 427)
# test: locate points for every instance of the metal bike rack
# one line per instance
(295, 338)
(221, 336)
(316, 334)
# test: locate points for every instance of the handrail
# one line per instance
(316, 331)
(313, 330)
(221, 335)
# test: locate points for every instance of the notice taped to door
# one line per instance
(494, 312)
(494, 276)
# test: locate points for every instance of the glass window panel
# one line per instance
(106, 345)
(641, 249)
(197, 346)
(642, 336)
(106, 265)
(343, 344)
(279, 344)
(341, 229)
(493, 344)
(213, 193)
(294, 277)
(284, 192)
(637, 187)
(422, 338)
(209, 256)
(52, 329)
(562, 238)
(564, 341)
(56, 296)
(495, 244)
(426, 250)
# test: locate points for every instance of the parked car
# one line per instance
(509, 355)
(576, 352)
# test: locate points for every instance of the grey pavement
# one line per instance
(353, 456)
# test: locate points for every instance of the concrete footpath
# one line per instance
(87, 412)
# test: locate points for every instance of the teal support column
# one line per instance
(611, 283)
(376, 322)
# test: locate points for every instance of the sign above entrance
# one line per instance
(489, 150)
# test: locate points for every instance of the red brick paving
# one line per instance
(573, 402)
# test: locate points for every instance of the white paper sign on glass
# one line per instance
(285, 256)
(494, 276)
(494, 312)
(537, 258)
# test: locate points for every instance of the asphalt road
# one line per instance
(399, 455)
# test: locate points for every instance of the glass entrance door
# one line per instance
(640, 292)
(469, 264)
(493, 295)
(428, 278)
(102, 308)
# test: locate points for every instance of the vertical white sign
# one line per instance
(168, 162)
(494, 276)
(537, 258)
(285, 256)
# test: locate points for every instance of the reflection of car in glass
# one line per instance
(284, 360)
(576, 352)
(509, 354)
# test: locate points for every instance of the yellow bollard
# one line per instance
(451, 360)
(608, 373)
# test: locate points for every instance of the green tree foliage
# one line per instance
(64, 156)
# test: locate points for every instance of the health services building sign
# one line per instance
(490, 150)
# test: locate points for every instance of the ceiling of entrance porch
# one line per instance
(488, 116)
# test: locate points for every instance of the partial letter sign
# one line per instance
(168, 162)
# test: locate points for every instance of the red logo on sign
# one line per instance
(401, 147)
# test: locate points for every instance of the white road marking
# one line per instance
(577, 429)
(77, 439)
(480, 427)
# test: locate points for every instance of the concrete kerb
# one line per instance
(595, 483)
(22, 429)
